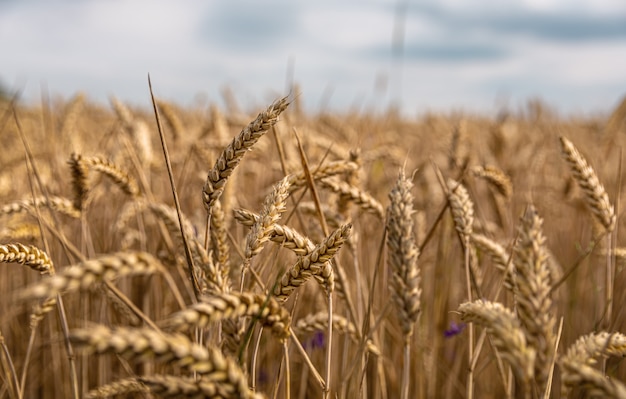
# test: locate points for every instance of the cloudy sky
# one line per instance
(427, 55)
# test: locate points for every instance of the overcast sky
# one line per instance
(428, 55)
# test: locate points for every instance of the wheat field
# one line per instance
(301, 255)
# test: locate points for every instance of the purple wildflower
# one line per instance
(317, 341)
(455, 329)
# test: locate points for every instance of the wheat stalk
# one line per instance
(532, 292)
(595, 194)
(319, 322)
(576, 363)
(212, 309)
(273, 207)
(403, 254)
(118, 175)
(59, 204)
(508, 336)
(234, 152)
(315, 264)
(83, 275)
(27, 255)
(496, 178)
(356, 195)
(144, 344)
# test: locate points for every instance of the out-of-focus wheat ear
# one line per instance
(462, 208)
(80, 183)
(137, 129)
(532, 292)
(496, 178)
(232, 335)
(121, 387)
(459, 146)
(219, 124)
(144, 344)
(21, 232)
(169, 386)
(172, 119)
(219, 237)
(273, 207)
(285, 236)
(59, 204)
(27, 255)
(352, 178)
(364, 200)
(595, 195)
(499, 256)
(83, 275)
(496, 251)
(40, 310)
(316, 265)
(318, 322)
(326, 170)
(114, 172)
(68, 125)
(234, 152)
(507, 334)
(203, 260)
(222, 306)
(576, 364)
(403, 254)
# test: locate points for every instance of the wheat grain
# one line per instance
(217, 307)
(314, 264)
(234, 152)
(595, 194)
(532, 291)
(506, 332)
(59, 204)
(143, 344)
(319, 322)
(27, 255)
(364, 200)
(273, 206)
(576, 363)
(83, 275)
(403, 254)
(495, 177)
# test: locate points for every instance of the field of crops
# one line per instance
(354, 255)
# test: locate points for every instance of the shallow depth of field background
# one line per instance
(404, 84)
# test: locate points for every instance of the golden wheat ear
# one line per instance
(595, 194)
(234, 152)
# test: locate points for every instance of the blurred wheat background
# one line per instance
(523, 211)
